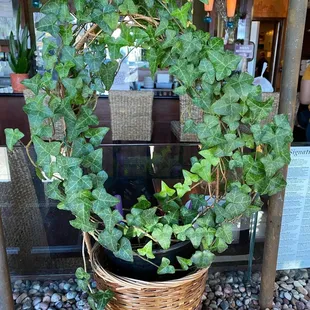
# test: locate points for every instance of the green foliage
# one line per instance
(20, 55)
(12, 136)
(235, 165)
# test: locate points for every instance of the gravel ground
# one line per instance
(223, 291)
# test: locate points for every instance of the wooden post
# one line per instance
(292, 57)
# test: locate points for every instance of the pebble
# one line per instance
(36, 301)
(72, 294)
(55, 297)
(288, 296)
(302, 290)
(43, 305)
(20, 298)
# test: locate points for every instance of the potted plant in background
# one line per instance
(240, 159)
(20, 55)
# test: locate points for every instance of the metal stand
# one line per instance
(292, 57)
(6, 300)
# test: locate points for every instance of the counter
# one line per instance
(165, 110)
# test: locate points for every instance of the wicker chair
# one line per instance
(131, 115)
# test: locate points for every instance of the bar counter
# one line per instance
(165, 110)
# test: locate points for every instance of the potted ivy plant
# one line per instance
(19, 56)
(240, 159)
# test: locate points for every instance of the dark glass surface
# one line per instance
(39, 237)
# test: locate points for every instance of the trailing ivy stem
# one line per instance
(217, 193)
(28, 154)
(145, 259)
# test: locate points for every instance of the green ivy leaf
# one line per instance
(219, 245)
(184, 71)
(80, 5)
(33, 84)
(225, 232)
(81, 274)
(190, 45)
(102, 298)
(163, 25)
(236, 161)
(45, 150)
(197, 201)
(216, 44)
(111, 19)
(147, 250)
(105, 200)
(53, 191)
(202, 259)
(220, 213)
(165, 267)
(128, 6)
(195, 236)
(237, 202)
(163, 236)
(68, 53)
(12, 136)
(272, 165)
(180, 231)
(107, 73)
(93, 161)
(181, 189)
(260, 110)
(207, 68)
(65, 32)
(165, 190)
(224, 64)
(77, 181)
(109, 239)
(187, 215)
(49, 24)
(82, 221)
(96, 135)
(182, 13)
(254, 171)
(207, 220)
(242, 83)
(149, 218)
(125, 250)
(227, 104)
(184, 262)
(65, 164)
(109, 217)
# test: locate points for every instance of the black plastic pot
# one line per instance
(143, 270)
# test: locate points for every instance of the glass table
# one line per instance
(39, 237)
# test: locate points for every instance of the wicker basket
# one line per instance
(131, 294)
(131, 115)
(187, 111)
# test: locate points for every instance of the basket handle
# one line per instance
(86, 239)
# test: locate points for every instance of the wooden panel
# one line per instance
(13, 116)
(270, 8)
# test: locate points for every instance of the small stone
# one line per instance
(20, 298)
(43, 306)
(276, 286)
(297, 284)
(67, 287)
(302, 290)
(47, 299)
(224, 305)
(247, 301)
(229, 279)
(288, 296)
(300, 305)
(239, 303)
(55, 298)
(15, 295)
(285, 307)
(58, 305)
(32, 291)
(36, 301)
(302, 282)
(72, 294)
(27, 304)
(308, 305)
(227, 289)
(287, 287)
(284, 278)
(36, 286)
(242, 289)
(211, 295)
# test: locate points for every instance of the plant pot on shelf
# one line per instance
(143, 270)
(131, 294)
(16, 79)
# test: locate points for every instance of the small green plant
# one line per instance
(20, 55)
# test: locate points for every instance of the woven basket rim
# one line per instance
(139, 284)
